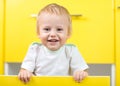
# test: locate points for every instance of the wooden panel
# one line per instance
(93, 32)
(1, 36)
(117, 10)
(55, 81)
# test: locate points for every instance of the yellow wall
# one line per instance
(55, 81)
(93, 32)
(117, 29)
(1, 36)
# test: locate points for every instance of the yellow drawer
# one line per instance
(55, 81)
(93, 32)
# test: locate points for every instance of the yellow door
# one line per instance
(117, 16)
(1, 36)
(93, 30)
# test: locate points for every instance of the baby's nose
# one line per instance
(53, 33)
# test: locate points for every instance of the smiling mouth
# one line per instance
(53, 40)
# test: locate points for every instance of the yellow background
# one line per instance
(117, 41)
(93, 32)
(1, 35)
(96, 32)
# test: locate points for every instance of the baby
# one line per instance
(52, 57)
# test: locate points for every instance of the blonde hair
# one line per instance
(57, 10)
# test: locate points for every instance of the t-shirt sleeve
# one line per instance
(29, 60)
(77, 62)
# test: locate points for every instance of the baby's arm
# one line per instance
(78, 65)
(24, 75)
(28, 64)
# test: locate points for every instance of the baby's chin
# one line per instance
(53, 48)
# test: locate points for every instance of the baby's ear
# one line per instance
(38, 35)
(68, 36)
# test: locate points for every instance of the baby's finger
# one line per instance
(28, 76)
(81, 74)
(25, 78)
(77, 76)
(20, 76)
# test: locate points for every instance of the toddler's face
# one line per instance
(53, 30)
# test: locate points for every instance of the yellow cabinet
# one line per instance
(117, 23)
(1, 36)
(21, 25)
(93, 29)
(93, 32)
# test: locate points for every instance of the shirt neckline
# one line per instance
(51, 51)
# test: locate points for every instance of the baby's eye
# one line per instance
(59, 29)
(47, 29)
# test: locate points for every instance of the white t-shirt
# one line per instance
(62, 62)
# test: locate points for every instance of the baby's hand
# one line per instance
(80, 75)
(24, 75)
